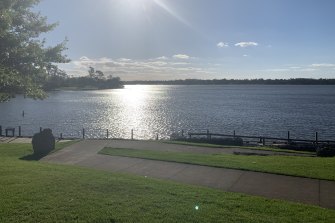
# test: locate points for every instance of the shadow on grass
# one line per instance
(33, 157)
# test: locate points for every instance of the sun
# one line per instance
(139, 5)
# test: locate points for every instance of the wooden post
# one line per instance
(263, 141)
(132, 134)
(208, 137)
(19, 131)
(316, 137)
(157, 136)
(0, 130)
(83, 133)
(234, 133)
(107, 133)
(182, 132)
(41, 129)
(61, 136)
(288, 136)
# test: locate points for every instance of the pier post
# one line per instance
(83, 133)
(263, 141)
(157, 136)
(288, 136)
(0, 130)
(61, 136)
(208, 136)
(19, 131)
(234, 134)
(107, 133)
(316, 137)
(132, 134)
(182, 132)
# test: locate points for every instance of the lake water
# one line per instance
(248, 109)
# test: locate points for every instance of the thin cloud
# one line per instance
(246, 44)
(133, 69)
(124, 60)
(84, 58)
(222, 45)
(162, 58)
(323, 65)
(181, 56)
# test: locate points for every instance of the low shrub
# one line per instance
(43, 142)
(218, 141)
(325, 151)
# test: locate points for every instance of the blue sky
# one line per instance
(206, 39)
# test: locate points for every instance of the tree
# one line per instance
(95, 74)
(25, 61)
(91, 72)
(100, 74)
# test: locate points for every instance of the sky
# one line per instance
(204, 39)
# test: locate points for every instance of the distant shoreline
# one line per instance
(298, 81)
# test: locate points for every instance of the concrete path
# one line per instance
(304, 190)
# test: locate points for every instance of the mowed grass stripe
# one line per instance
(310, 167)
(261, 148)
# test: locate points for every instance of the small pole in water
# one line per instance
(19, 131)
(107, 133)
(40, 129)
(132, 134)
(61, 136)
(288, 136)
(83, 133)
(182, 132)
(316, 137)
(234, 133)
(23, 113)
(157, 136)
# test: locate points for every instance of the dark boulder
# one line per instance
(43, 142)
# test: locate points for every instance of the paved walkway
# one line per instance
(304, 190)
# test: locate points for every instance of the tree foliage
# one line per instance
(25, 60)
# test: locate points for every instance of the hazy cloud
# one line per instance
(222, 45)
(246, 44)
(323, 65)
(181, 56)
(124, 60)
(144, 69)
(162, 58)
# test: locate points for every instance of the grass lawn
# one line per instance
(265, 148)
(33, 191)
(312, 167)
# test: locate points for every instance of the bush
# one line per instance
(218, 141)
(325, 151)
(43, 142)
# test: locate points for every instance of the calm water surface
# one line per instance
(252, 110)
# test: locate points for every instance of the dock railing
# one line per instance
(133, 134)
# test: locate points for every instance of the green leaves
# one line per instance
(24, 59)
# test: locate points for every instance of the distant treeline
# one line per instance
(295, 81)
(94, 80)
